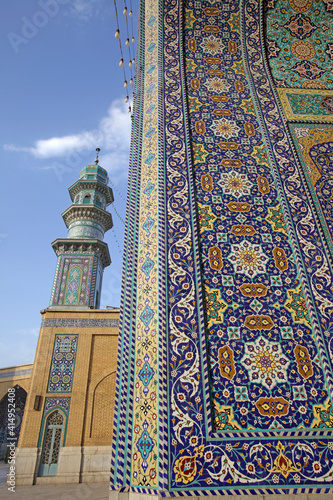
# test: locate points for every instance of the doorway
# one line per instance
(51, 446)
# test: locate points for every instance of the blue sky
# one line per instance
(61, 96)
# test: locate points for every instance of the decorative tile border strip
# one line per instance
(121, 453)
(63, 363)
(79, 323)
(312, 142)
(18, 373)
(145, 431)
(306, 104)
(138, 447)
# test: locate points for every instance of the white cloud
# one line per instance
(61, 146)
(112, 136)
(83, 10)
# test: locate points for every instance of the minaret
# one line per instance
(83, 255)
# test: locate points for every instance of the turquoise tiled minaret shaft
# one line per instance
(83, 255)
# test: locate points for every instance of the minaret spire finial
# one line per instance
(98, 150)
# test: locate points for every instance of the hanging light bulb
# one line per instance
(130, 13)
(129, 109)
(125, 11)
(131, 81)
(127, 42)
(133, 61)
(121, 63)
(130, 64)
(117, 34)
(133, 41)
(127, 99)
(125, 84)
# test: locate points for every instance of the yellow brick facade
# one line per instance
(90, 416)
(100, 388)
(15, 375)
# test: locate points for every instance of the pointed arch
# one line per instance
(102, 411)
(52, 442)
(16, 397)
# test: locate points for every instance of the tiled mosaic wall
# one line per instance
(63, 363)
(265, 366)
(72, 280)
(86, 229)
(247, 325)
(51, 403)
(299, 43)
(314, 145)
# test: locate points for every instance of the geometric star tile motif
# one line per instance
(63, 363)
(265, 363)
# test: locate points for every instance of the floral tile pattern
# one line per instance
(314, 143)
(63, 363)
(299, 42)
(307, 105)
(248, 329)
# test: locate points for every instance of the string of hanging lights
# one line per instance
(131, 61)
(117, 36)
(117, 213)
(115, 237)
(130, 43)
(127, 43)
(117, 190)
(132, 29)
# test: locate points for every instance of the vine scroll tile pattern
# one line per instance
(145, 436)
(248, 327)
(314, 144)
(266, 368)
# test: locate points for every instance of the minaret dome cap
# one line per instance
(94, 172)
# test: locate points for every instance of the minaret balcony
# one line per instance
(72, 247)
(94, 185)
(88, 214)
